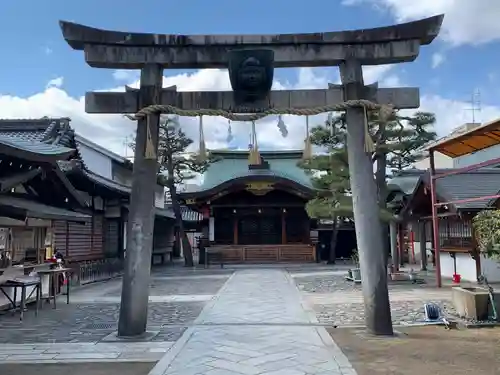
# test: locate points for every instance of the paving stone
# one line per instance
(33, 356)
(141, 356)
(87, 355)
(227, 344)
(78, 323)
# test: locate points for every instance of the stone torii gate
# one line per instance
(151, 53)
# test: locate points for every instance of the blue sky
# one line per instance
(34, 52)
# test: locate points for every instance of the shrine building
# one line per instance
(254, 211)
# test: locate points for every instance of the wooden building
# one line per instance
(100, 179)
(34, 195)
(412, 199)
(256, 213)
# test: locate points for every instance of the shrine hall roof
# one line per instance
(473, 184)
(33, 150)
(234, 164)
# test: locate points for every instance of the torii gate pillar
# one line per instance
(348, 49)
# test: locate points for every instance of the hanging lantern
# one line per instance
(307, 154)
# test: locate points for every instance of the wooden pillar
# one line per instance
(135, 286)
(422, 238)
(92, 226)
(435, 220)
(476, 254)
(307, 225)
(393, 228)
(283, 226)
(235, 228)
(67, 239)
(401, 240)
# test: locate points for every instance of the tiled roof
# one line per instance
(234, 164)
(48, 130)
(34, 146)
(472, 184)
(111, 184)
(40, 211)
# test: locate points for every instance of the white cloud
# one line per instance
(123, 75)
(437, 59)
(110, 130)
(56, 82)
(465, 22)
(48, 50)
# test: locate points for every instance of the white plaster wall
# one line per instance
(96, 162)
(490, 269)
(441, 161)
(477, 157)
(416, 246)
(466, 266)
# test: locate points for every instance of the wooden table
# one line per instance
(53, 280)
(23, 283)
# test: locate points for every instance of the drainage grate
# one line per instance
(100, 326)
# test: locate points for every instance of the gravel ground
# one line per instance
(354, 313)
(422, 350)
(338, 283)
(348, 314)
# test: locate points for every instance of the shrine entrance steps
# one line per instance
(289, 253)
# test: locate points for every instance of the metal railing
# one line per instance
(96, 270)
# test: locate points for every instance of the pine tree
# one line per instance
(176, 166)
(396, 141)
(408, 134)
(330, 176)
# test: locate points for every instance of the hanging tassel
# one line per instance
(282, 127)
(230, 137)
(369, 145)
(254, 155)
(307, 154)
(149, 152)
(202, 155)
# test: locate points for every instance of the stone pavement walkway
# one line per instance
(255, 325)
(83, 331)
